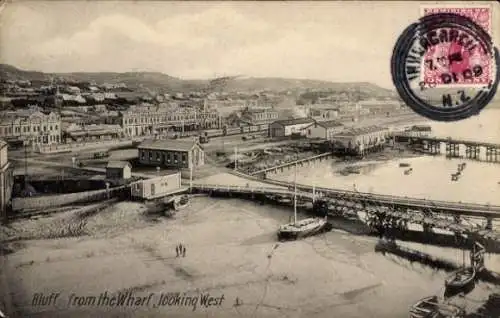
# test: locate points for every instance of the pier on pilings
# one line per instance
(492, 154)
(452, 150)
(489, 224)
(432, 147)
(472, 152)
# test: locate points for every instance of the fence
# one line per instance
(83, 146)
(51, 201)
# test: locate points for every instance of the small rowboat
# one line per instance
(461, 279)
(430, 307)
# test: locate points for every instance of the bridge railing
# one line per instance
(249, 188)
(444, 139)
(397, 199)
(287, 164)
(378, 197)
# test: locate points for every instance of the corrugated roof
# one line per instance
(330, 124)
(176, 145)
(117, 164)
(294, 121)
(362, 131)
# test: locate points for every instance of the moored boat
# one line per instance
(404, 165)
(181, 202)
(302, 228)
(461, 279)
(177, 202)
(431, 307)
(306, 227)
(283, 200)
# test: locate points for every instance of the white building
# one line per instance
(379, 106)
(324, 129)
(283, 128)
(157, 187)
(360, 140)
(31, 126)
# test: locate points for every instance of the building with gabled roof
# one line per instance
(288, 127)
(324, 129)
(177, 154)
(363, 139)
(118, 170)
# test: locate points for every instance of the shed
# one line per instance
(118, 170)
(324, 129)
(288, 127)
(157, 187)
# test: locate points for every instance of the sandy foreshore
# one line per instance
(231, 251)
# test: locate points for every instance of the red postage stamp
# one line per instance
(456, 60)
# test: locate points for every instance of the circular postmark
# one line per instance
(445, 67)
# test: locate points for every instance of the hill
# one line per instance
(164, 82)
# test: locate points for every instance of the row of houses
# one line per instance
(154, 119)
(356, 139)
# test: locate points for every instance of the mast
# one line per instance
(295, 196)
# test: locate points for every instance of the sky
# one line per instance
(334, 41)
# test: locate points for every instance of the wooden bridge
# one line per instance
(448, 140)
(473, 149)
(381, 210)
(299, 162)
(313, 193)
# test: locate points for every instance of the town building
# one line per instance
(172, 154)
(157, 187)
(258, 116)
(289, 127)
(418, 131)
(121, 170)
(382, 107)
(32, 127)
(324, 129)
(81, 133)
(361, 140)
(323, 112)
(6, 180)
(158, 119)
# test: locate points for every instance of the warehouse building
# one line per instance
(172, 154)
(361, 140)
(324, 129)
(289, 127)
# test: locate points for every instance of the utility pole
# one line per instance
(191, 175)
(235, 158)
(25, 165)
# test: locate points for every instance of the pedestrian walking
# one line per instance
(183, 251)
(177, 251)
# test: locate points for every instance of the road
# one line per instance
(69, 165)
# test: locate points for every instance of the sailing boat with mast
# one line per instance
(462, 279)
(302, 228)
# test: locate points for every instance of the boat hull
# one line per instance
(431, 307)
(284, 235)
(463, 285)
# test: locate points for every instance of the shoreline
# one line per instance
(242, 261)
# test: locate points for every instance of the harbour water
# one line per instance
(431, 175)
